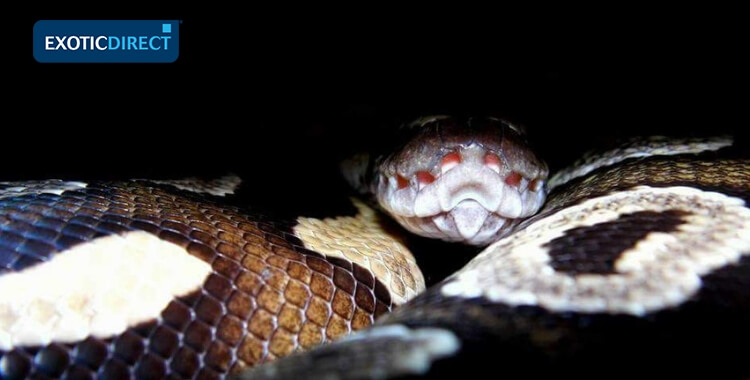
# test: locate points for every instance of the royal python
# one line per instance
(635, 266)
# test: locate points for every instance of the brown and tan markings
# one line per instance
(221, 288)
(362, 239)
(638, 148)
(634, 270)
(656, 224)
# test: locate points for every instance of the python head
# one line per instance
(460, 180)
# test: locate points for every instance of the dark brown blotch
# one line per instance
(595, 249)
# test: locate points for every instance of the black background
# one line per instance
(277, 94)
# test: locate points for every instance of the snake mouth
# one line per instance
(473, 199)
(459, 180)
(468, 222)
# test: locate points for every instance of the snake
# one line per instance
(630, 262)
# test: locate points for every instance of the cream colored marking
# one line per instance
(362, 240)
(52, 186)
(219, 187)
(99, 288)
(653, 146)
(661, 271)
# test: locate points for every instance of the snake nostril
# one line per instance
(449, 161)
(513, 179)
(493, 162)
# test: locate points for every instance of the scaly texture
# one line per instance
(637, 148)
(640, 269)
(363, 240)
(262, 295)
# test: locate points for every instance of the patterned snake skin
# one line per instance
(264, 296)
(636, 268)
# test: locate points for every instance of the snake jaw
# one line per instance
(465, 197)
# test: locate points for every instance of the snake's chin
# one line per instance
(469, 222)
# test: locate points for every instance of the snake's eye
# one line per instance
(493, 162)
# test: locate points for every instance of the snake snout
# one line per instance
(468, 181)
(445, 182)
(470, 195)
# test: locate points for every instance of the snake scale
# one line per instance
(635, 266)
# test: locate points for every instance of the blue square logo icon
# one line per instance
(166, 28)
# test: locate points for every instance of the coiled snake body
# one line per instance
(635, 266)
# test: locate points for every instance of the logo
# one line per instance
(106, 41)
